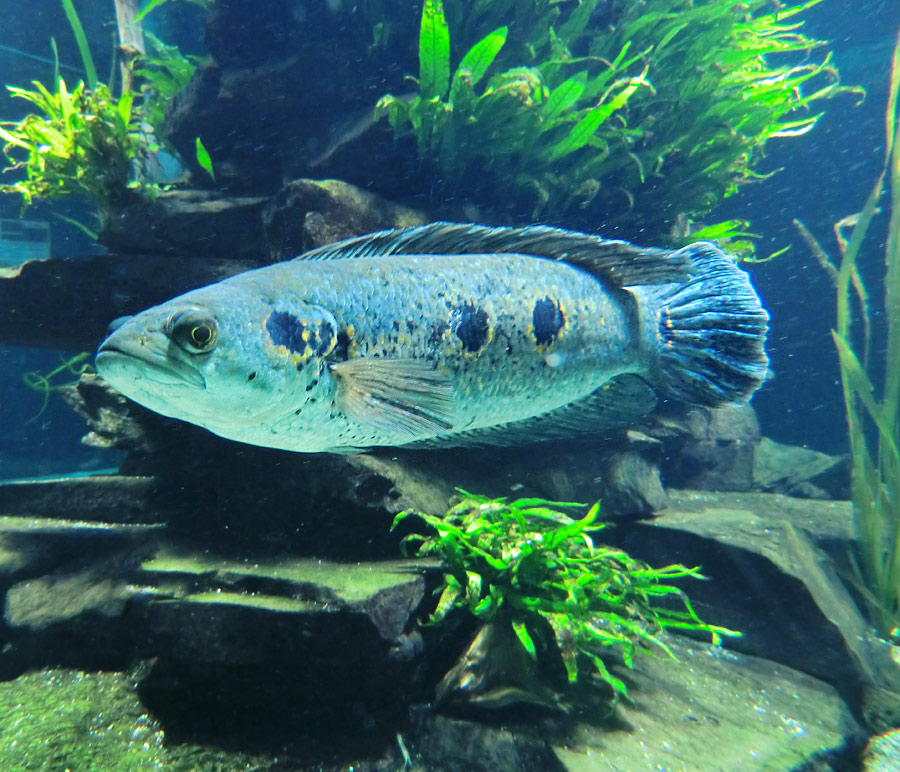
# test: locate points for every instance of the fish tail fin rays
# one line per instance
(710, 332)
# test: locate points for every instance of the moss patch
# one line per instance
(66, 719)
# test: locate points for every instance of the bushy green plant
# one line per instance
(637, 111)
(88, 142)
(524, 561)
(872, 389)
(81, 141)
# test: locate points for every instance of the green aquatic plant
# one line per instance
(872, 389)
(516, 126)
(43, 383)
(203, 159)
(81, 141)
(162, 73)
(84, 49)
(88, 142)
(69, 720)
(608, 113)
(524, 564)
(154, 4)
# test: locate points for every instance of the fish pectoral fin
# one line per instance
(394, 394)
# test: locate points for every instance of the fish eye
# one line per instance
(194, 330)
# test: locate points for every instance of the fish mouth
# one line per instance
(142, 360)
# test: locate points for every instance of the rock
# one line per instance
(631, 484)
(708, 709)
(447, 744)
(84, 498)
(107, 601)
(277, 644)
(52, 600)
(715, 710)
(33, 546)
(115, 421)
(801, 472)
(190, 223)
(768, 580)
(188, 595)
(300, 89)
(882, 754)
(309, 213)
(880, 705)
(706, 448)
(87, 293)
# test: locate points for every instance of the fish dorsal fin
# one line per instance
(615, 405)
(391, 395)
(618, 262)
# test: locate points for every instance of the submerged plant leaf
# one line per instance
(204, 161)
(434, 51)
(483, 53)
(81, 41)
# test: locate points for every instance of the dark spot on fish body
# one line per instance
(472, 328)
(251, 376)
(287, 330)
(548, 320)
(437, 335)
(324, 337)
(342, 347)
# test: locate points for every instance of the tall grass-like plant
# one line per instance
(872, 391)
(599, 114)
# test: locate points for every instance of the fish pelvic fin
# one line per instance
(388, 396)
(709, 332)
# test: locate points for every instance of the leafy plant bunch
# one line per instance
(602, 112)
(524, 562)
(78, 142)
(86, 141)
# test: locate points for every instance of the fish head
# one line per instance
(216, 358)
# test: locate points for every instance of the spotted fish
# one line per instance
(446, 334)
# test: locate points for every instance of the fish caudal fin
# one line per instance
(710, 332)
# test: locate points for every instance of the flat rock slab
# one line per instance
(714, 711)
(95, 498)
(747, 519)
(195, 223)
(31, 546)
(771, 564)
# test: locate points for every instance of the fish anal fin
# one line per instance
(615, 405)
(390, 395)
